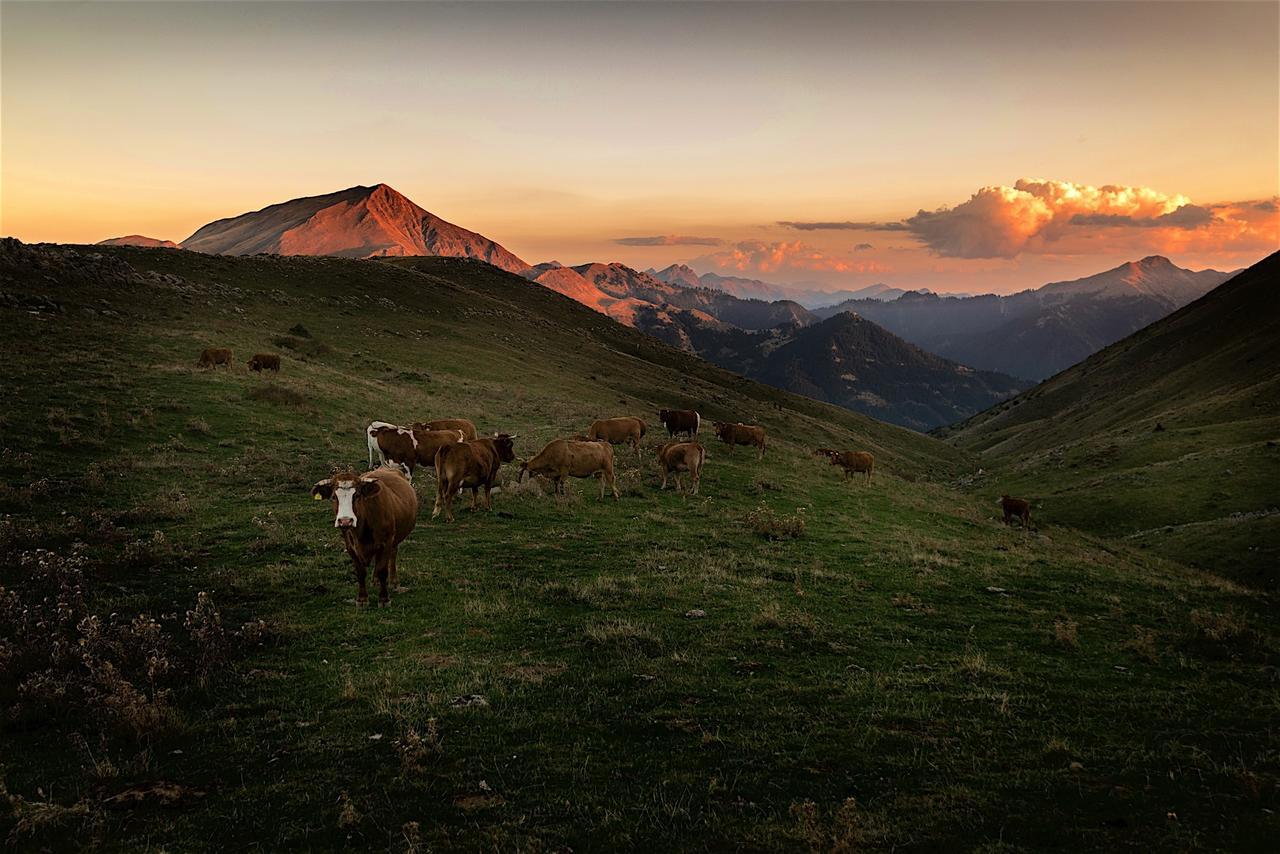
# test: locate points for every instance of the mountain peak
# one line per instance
(358, 222)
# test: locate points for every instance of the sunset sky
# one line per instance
(956, 146)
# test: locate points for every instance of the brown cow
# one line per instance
(616, 431)
(407, 449)
(468, 429)
(472, 464)
(264, 362)
(852, 462)
(211, 357)
(1015, 508)
(563, 458)
(741, 434)
(675, 457)
(374, 511)
(681, 421)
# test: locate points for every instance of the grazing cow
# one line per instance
(468, 429)
(563, 458)
(474, 465)
(211, 357)
(675, 457)
(430, 441)
(264, 362)
(741, 434)
(375, 511)
(1015, 508)
(616, 431)
(392, 446)
(852, 462)
(681, 421)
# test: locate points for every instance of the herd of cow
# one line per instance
(376, 510)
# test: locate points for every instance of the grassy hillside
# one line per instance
(1169, 439)
(878, 666)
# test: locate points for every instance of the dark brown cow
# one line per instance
(468, 429)
(1015, 508)
(684, 421)
(741, 434)
(264, 362)
(431, 441)
(617, 431)
(374, 511)
(675, 457)
(852, 462)
(472, 465)
(211, 357)
(563, 458)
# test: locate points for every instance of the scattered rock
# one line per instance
(1076, 767)
(469, 700)
(695, 614)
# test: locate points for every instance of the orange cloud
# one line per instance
(1061, 217)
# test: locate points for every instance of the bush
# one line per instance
(764, 522)
(117, 672)
(299, 330)
(302, 346)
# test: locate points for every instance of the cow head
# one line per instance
(664, 415)
(506, 445)
(346, 490)
(825, 452)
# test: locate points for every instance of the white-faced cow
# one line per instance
(473, 465)
(375, 511)
(564, 458)
(675, 457)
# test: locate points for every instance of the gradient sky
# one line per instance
(689, 132)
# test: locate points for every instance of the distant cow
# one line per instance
(675, 457)
(1015, 508)
(213, 356)
(468, 429)
(374, 511)
(852, 462)
(474, 465)
(564, 458)
(264, 362)
(616, 431)
(681, 421)
(741, 434)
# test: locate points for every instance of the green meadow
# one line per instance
(788, 661)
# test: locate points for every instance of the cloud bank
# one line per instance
(1060, 217)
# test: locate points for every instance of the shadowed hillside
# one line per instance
(787, 661)
(1168, 438)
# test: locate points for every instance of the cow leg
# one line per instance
(613, 485)
(664, 479)
(393, 575)
(697, 482)
(488, 495)
(380, 569)
(362, 592)
(475, 496)
(679, 488)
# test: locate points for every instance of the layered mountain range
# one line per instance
(1036, 333)
(897, 355)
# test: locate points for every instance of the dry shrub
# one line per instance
(347, 815)
(1143, 644)
(116, 672)
(1066, 633)
(764, 522)
(198, 426)
(907, 602)
(845, 829)
(417, 749)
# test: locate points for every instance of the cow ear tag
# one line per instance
(316, 497)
